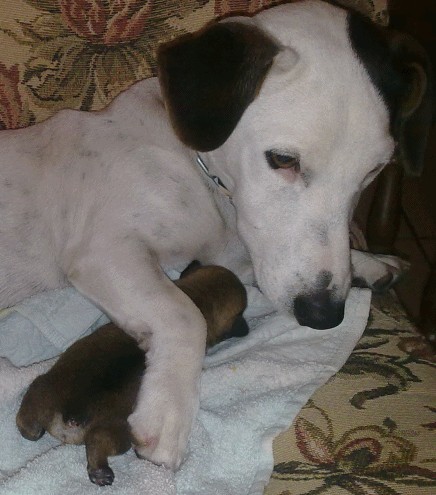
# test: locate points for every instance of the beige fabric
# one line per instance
(82, 53)
(371, 429)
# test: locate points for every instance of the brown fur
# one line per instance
(89, 393)
(210, 77)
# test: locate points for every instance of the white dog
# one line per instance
(296, 110)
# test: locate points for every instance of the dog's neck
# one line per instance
(234, 254)
(214, 178)
(221, 194)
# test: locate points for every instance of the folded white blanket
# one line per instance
(43, 326)
(252, 388)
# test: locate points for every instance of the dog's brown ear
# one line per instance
(401, 70)
(417, 105)
(209, 78)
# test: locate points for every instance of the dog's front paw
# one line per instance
(378, 272)
(162, 421)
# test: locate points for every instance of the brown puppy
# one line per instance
(89, 393)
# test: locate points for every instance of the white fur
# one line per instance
(106, 200)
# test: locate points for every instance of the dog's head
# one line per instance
(297, 110)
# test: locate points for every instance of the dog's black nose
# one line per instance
(319, 310)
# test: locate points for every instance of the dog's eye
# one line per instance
(277, 160)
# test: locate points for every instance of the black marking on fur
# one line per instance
(402, 72)
(210, 77)
(372, 48)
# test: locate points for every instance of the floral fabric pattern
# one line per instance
(371, 429)
(82, 53)
(13, 112)
(228, 7)
(364, 460)
(106, 23)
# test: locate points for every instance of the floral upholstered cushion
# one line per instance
(82, 53)
(371, 430)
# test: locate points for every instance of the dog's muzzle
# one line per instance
(319, 310)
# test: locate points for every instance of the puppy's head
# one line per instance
(297, 110)
(221, 298)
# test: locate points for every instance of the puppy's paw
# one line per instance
(102, 476)
(378, 272)
(162, 421)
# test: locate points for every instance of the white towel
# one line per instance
(44, 325)
(251, 389)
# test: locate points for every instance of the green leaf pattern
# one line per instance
(368, 458)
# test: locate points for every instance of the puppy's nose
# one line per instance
(319, 310)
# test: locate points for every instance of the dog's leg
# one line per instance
(127, 283)
(378, 272)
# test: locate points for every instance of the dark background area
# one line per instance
(416, 240)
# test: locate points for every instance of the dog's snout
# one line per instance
(319, 310)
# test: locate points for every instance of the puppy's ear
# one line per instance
(401, 70)
(239, 328)
(191, 268)
(209, 78)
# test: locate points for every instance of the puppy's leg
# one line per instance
(36, 410)
(376, 271)
(130, 286)
(101, 442)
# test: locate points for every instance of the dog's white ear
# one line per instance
(401, 70)
(284, 63)
(209, 78)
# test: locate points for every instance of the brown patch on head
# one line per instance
(210, 77)
(221, 298)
